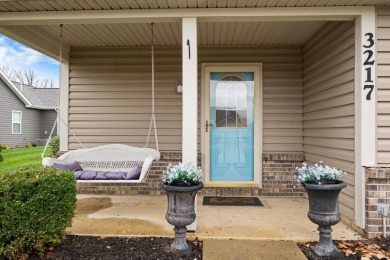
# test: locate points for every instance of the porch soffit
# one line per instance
(73, 5)
(169, 34)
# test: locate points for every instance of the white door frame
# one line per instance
(257, 120)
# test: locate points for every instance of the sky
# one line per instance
(18, 56)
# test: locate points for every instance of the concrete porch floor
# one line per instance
(279, 219)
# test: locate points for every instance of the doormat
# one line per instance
(231, 201)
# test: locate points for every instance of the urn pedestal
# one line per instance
(324, 211)
(181, 213)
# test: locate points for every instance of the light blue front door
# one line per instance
(231, 126)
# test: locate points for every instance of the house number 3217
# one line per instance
(368, 64)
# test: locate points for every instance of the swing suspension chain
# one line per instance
(59, 119)
(152, 71)
(74, 135)
(153, 119)
(59, 98)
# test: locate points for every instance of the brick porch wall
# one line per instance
(278, 174)
(377, 191)
(278, 179)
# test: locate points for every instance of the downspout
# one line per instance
(383, 209)
(384, 225)
(41, 127)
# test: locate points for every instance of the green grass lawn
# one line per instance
(21, 157)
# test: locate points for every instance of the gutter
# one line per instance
(41, 108)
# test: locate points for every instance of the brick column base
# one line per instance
(377, 191)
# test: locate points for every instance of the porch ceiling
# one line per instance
(68, 5)
(169, 34)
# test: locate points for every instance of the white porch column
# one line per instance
(190, 96)
(64, 105)
(190, 91)
(365, 105)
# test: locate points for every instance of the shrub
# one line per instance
(16, 146)
(54, 145)
(3, 147)
(1, 157)
(29, 145)
(36, 206)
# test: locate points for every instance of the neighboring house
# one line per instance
(266, 85)
(27, 114)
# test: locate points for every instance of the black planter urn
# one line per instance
(324, 211)
(181, 213)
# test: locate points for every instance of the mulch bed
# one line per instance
(141, 248)
(145, 248)
(377, 248)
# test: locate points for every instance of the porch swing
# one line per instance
(110, 163)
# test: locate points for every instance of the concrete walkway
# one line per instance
(282, 219)
(251, 250)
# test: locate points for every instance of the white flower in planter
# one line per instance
(182, 173)
(318, 173)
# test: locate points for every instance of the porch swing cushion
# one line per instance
(85, 175)
(115, 175)
(73, 166)
(115, 162)
(133, 174)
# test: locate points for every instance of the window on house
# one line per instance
(16, 122)
(231, 102)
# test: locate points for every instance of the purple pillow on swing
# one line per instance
(134, 173)
(77, 174)
(101, 176)
(87, 175)
(115, 175)
(73, 166)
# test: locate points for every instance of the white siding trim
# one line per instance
(365, 110)
(64, 105)
(366, 24)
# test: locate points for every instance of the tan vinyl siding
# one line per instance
(383, 86)
(329, 103)
(110, 94)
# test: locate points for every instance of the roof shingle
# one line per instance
(40, 97)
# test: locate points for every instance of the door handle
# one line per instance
(207, 125)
